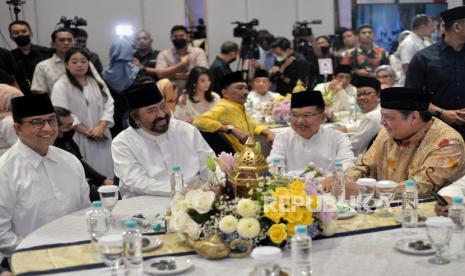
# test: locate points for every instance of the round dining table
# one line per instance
(369, 253)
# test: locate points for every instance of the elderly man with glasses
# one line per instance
(39, 182)
(306, 141)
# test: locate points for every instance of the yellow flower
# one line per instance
(273, 213)
(307, 218)
(277, 233)
(291, 229)
(297, 185)
(281, 191)
(294, 217)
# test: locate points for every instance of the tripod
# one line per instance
(16, 4)
(249, 50)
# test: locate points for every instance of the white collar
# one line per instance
(32, 156)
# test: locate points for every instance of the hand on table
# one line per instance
(443, 210)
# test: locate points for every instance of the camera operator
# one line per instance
(80, 37)
(27, 55)
(267, 58)
(289, 66)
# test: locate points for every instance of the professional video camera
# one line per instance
(300, 31)
(75, 21)
(249, 45)
(301, 28)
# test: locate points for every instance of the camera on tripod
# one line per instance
(249, 44)
(75, 21)
(244, 30)
(301, 28)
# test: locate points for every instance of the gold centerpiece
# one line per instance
(249, 166)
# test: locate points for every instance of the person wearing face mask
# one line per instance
(221, 66)
(145, 152)
(27, 55)
(176, 63)
(229, 116)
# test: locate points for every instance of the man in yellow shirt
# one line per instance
(229, 117)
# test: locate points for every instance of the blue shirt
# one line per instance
(440, 70)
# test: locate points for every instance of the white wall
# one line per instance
(277, 16)
(156, 16)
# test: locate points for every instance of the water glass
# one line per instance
(367, 188)
(108, 196)
(438, 230)
(386, 190)
(111, 248)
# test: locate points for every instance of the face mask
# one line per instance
(280, 58)
(179, 43)
(22, 40)
(68, 135)
(325, 50)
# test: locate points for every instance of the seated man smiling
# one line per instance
(412, 145)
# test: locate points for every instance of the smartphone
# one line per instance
(439, 199)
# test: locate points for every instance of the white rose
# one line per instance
(178, 203)
(247, 208)
(228, 224)
(330, 229)
(248, 228)
(200, 201)
(192, 229)
(178, 220)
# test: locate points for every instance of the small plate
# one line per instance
(421, 222)
(182, 264)
(150, 242)
(405, 246)
(345, 211)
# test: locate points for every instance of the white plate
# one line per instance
(182, 264)
(403, 246)
(419, 224)
(154, 242)
(347, 214)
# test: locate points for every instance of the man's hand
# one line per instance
(352, 188)
(327, 184)
(453, 117)
(286, 63)
(335, 85)
(240, 135)
(274, 69)
(364, 73)
(443, 210)
(185, 60)
(108, 181)
(269, 137)
(137, 63)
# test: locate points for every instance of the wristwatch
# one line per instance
(438, 112)
(229, 129)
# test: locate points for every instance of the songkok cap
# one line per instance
(142, 95)
(32, 105)
(260, 73)
(231, 78)
(403, 98)
(453, 14)
(369, 82)
(307, 98)
(343, 68)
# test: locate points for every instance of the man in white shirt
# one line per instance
(338, 94)
(306, 141)
(422, 26)
(39, 182)
(48, 72)
(260, 95)
(145, 153)
(365, 130)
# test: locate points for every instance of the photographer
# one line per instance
(289, 66)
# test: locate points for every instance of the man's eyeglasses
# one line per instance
(363, 95)
(305, 116)
(40, 123)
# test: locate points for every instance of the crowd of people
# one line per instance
(69, 125)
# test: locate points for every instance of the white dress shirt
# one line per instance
(455, 189)
(37, 189)
(342, 99)
(324, 148)
(143, 162)
(256, 101)
(365, 130)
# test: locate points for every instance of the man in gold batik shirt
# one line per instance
(229, 116)
(412, 145)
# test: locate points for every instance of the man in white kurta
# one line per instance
(38, 182)
(260, 95)
(145, 153)
(306, 141)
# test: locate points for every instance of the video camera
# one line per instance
(245, 30)
(75, 21)
(301, 28)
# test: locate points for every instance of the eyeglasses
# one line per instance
(364, 95)
(40, 123)
(384, 77)
(305, 116)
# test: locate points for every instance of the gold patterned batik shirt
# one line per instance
(433, 157)
(227, 112)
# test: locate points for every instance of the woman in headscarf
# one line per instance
(119, 76)
(7, 133)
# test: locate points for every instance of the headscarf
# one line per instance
(7, 92)
(121, 72)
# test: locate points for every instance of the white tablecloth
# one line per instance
(367, 254)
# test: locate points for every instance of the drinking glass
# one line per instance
(386, 190)
(111, 247)
(108, 196)
(438, 230)
(367, 188)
